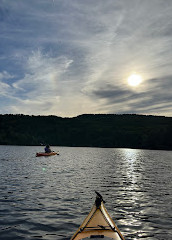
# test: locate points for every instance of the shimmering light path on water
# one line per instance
(48, 198)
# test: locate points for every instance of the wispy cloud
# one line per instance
(73, 57)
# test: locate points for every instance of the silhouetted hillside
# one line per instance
(100, 130)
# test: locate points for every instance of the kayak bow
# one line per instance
(98, 224)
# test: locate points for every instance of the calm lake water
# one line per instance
(49, 197)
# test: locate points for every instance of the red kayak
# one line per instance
(43, 154)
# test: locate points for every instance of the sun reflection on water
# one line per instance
(132, 164)
(134, 196)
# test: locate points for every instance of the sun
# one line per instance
(134, 80)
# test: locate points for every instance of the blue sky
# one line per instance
(70, 57)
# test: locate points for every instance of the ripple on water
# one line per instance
(49, 198)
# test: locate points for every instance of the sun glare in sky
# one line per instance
(134, 80)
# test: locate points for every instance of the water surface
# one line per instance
(49, 197)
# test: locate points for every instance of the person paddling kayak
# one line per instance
(47, 149)
(47, 152)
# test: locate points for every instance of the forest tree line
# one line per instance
(88, 130)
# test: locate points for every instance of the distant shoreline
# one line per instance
(89, 130)
(87, 147)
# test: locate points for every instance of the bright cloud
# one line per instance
(73, 57)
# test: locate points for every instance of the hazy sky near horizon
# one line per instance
(70, 57)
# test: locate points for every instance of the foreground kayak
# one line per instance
(41, 154)
(98, 224)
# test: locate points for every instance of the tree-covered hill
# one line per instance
(100, 130)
